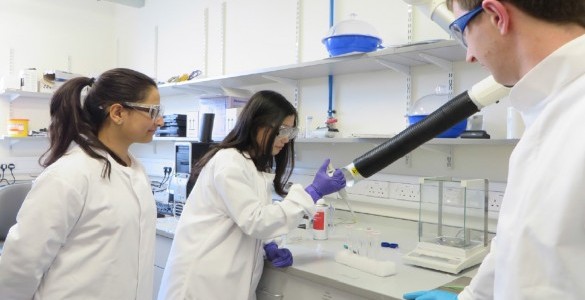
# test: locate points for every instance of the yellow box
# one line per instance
(18, 127)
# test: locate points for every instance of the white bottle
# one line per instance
(308, 126)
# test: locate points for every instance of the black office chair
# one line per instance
(11, 198)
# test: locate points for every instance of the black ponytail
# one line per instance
(74, 120)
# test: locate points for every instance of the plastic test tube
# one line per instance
(375, 240)
(349, 237)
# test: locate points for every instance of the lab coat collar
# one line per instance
(531, 93)
(129, 170)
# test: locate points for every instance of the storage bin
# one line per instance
(18, 127)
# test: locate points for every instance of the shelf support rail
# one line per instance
(406, 71)
(443, 64)
(290, 82)
(443, 149)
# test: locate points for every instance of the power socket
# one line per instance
(495, 200)
(405, 191)
(378, 189)
(370, 188)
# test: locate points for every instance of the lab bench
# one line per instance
(316, 275)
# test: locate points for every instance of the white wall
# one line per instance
(69, 35)
(170, 37)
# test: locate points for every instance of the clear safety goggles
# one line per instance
(457, 28)
(288, 132)
(154, 111)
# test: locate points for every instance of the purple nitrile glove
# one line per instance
(325, 184)
(430, 295)
(279, 258)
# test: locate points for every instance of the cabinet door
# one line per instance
(301, 288)
(162, 249)
(158, 273)
(277, 285)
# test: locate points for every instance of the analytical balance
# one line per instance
(452, 224)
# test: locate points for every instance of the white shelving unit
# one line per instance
(399, 58)
(13, 94)
(396, 58)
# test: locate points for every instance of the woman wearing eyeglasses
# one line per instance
(220, 241)
(86, 229)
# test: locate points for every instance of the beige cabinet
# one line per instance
(161, 253)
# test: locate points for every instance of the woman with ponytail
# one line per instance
(86, 229)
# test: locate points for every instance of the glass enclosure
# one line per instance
(453, 212)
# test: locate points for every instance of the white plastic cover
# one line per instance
(352, 26)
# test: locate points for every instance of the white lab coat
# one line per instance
(217, 252)
(540, 245)
(81, 236)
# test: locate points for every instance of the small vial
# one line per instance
(374, 252)
(349, 237)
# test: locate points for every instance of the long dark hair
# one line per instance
(265, 109)
(74, 121)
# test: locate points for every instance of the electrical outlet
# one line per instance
(378, 189)
(404, 191)
(370, 188)
(495, 200)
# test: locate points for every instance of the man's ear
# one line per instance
(499, 14)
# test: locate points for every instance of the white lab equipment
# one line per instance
(452, 224)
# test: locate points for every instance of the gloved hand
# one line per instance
(323, 184)
(279, 258)
(430, 295)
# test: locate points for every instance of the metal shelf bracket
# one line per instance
(405, 70)
(447, 150)
(287, 81)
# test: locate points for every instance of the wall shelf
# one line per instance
(15, 140)
(407, 55)
(437, 141)
(13, 94)
(377, 140)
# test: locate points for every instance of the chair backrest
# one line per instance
(11, 198)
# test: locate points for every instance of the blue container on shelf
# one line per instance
(351, 36)
(428, 104)
(343, 44)
(453, 132)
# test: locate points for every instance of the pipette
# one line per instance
(342, 193)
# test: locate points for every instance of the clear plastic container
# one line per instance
(428, 104)
(353, 26)
(352, 36)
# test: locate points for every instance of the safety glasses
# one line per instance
(153, 110)
(289, 132)
(458, 26)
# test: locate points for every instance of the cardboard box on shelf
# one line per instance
(9, 82)
(192, 124)
(218, 105)
(29, 81)
(231, 118)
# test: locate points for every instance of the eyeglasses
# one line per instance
(289, 132)
(458, 26)
(153, 110)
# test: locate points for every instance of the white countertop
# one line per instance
(314, 259)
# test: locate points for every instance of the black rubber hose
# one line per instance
(451, 113)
